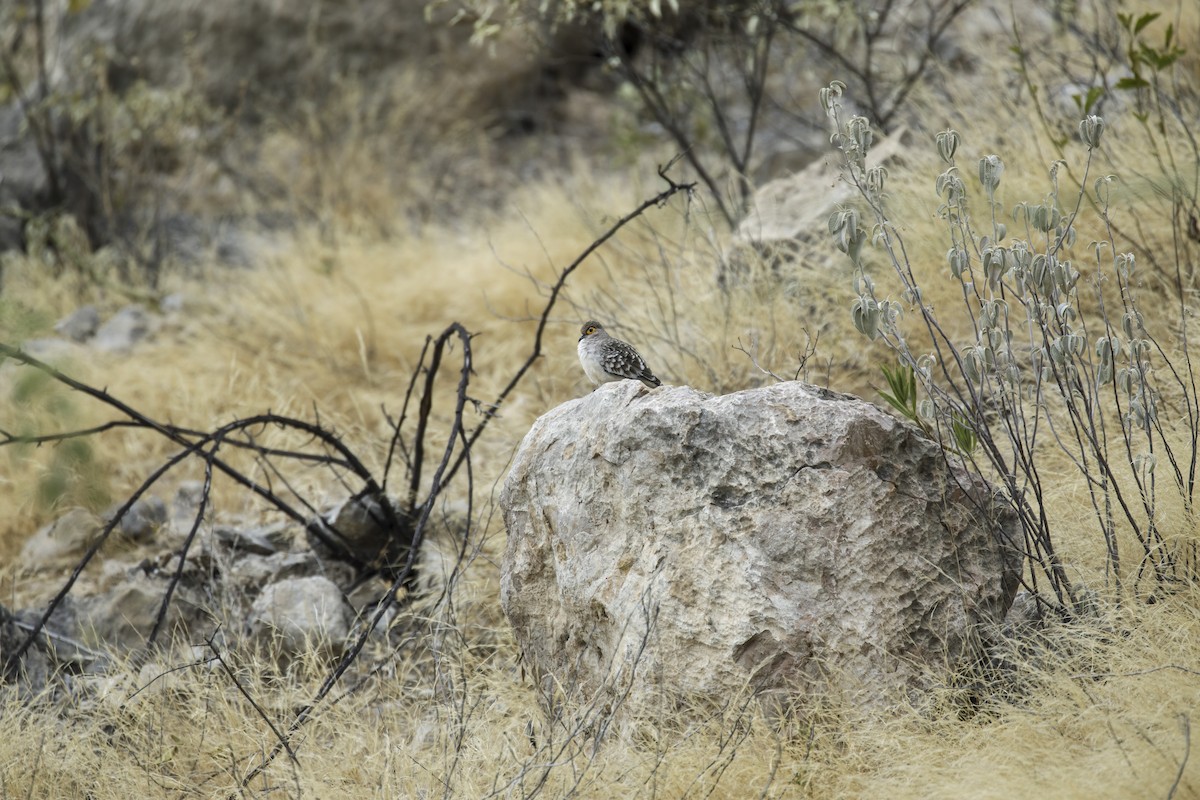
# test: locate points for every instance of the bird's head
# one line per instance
(590, 328)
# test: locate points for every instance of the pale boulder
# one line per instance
(797, 206)
(680, 546)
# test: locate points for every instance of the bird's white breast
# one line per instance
(589, 358)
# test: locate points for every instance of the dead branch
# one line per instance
(409, 523)
(401, 580)
(244, 692)
(659, 199)
(810, 349)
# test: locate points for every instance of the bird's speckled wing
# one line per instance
(618, 358)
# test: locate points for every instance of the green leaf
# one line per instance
(903, 384)
(1144, 20)
(964, 436)
(1085, 103)
(1132, 83)
(899, 406)
(1161, 61)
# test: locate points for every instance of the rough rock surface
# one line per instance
(25, 181)
(302, 613)
(788, 208)
(125, 329)
(33, 668)
(679, 545)
(359, 526)
(67, 536)
(123, 617)
(143, 519)
(80, 325)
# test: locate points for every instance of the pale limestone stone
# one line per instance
(681, 545)
(302, 613)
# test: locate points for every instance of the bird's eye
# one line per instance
(591, 329)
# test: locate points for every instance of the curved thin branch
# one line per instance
(440, 478)
(672, 189)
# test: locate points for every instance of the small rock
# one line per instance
(143, 519)
(185, 504)
(263, 541)
(124, 329)
(366, 598)
(172, 303)
(69, 535)
(359, 526)
(302, 613)
(79, 325)
(123, 618)
(250, 570)
(200, 565)
(34, 668)
(53, 350)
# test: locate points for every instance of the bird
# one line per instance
(607, 359)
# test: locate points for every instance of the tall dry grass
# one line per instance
(1101, 708)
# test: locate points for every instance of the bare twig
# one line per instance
(1185, 723)
(183, 554)
(397, 441)
(440, 477)
(170, 671)
(810, 349)
(244, 692)
(672, 189)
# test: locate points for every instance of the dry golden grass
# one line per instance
(1099, 709)
(1104, 712)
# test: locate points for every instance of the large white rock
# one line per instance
(677, 545)
(798, 206)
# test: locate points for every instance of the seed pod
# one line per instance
(865, 313)
(947, 143)
(1090, 129)
(1104, 355)
(876, 176)
(829, 95)
(990, 170)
